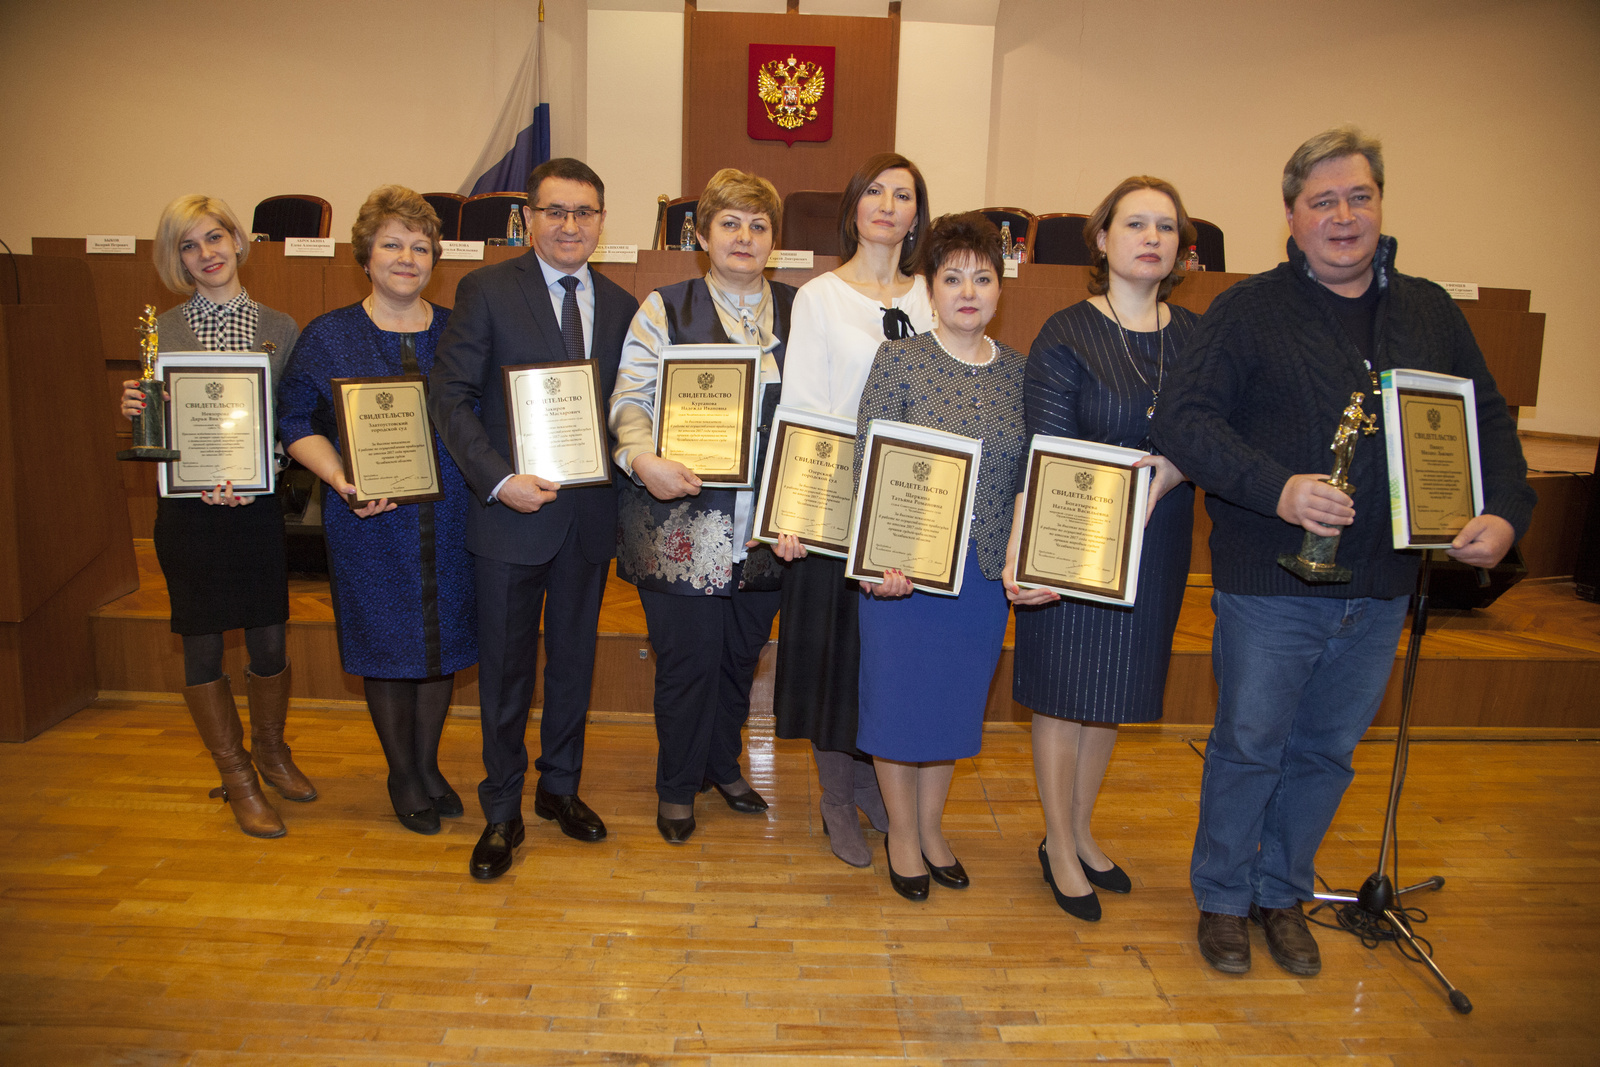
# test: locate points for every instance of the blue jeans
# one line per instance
(1300, 680)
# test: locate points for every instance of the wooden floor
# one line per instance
(140, 927)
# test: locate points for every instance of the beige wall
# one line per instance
(110, 110)
(1480, 105)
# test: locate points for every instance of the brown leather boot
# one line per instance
(269, 707)
(212, 708)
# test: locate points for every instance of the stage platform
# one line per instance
(1532, 659)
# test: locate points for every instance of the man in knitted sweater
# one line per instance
(1249, 414)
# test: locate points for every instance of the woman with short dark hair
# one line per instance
(927, 660)
(403, 593)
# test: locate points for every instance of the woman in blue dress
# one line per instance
(1094, 374)
(926, 659)
(402, 579)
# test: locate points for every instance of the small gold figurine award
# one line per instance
(1315, 561)
(150, 428)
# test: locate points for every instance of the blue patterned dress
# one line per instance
(403, 593)
(1100, 662)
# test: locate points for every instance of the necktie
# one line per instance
(571, 321)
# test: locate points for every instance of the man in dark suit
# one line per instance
(536, 549)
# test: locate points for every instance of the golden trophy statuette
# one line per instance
(1315, 561)
(150, 428)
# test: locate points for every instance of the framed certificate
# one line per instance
(914, 510)
(386, 440)
(1430, 432)
(558, 429)
(807, 485)
(221, 422)
(1083, 507)
(706, 414)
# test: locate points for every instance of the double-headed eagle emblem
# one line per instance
(790, 90)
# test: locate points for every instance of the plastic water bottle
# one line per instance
(1007, 249)
(1020, 252)
(686, 240)
(1191, 260)
(515, 234)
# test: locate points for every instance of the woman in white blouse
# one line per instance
(840, 319)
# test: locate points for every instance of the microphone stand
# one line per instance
(1378, 898)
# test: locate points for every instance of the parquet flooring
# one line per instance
(140, 927)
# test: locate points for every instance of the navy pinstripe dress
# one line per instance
(1097, 662)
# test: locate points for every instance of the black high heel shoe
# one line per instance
(1115, 880)
(951, 877)
(1086, 907)
(425, 821)
(914, 888)
(748, 802)
(674, 831)
(449, 806)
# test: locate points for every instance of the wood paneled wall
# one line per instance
(715, 93)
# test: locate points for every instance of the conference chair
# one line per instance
(484, 216)
(811, 222)
(1058, 238)
(448, 208)
(1208, 244)
(293, 215)
(669, 219)
(1021, 220)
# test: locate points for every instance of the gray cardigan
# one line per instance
(271, 326)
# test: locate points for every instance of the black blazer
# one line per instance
(503, 317)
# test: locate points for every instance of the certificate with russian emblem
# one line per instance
(220, 412)
(558, 428)
(1083, 508)
(914, 509)
(1430, 432)
(386, 440)
(706, 411)
(807, 486)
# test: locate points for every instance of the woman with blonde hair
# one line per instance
(403, 593)
(221, 552)
(1095, 373)
(709, 592)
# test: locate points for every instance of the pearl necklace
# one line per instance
(994, 351)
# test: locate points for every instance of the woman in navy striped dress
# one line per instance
(1094, 373)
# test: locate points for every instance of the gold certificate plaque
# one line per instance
(706, 414)
(386, 439)
(221, 427)
(914, 511)
(1077, 526)
(807, 489)
(1438, 464)
(558, 430)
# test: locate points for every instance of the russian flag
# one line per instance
(520, 140)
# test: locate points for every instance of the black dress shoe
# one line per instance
(577, 819)
(951, 877)
(424, 822)
(449, 806)
(674, 831)
(492, 856)
(1115, 880)
(748, 802)
(1225, 942)
(1086, 907)
(913, 888)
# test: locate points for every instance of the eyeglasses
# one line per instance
(559, 215)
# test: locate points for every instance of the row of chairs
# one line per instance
(810, 222)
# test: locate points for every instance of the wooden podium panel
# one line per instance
(65, 543)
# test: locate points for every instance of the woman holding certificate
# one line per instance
(709, 592)
(403, 594)
(221, 552)
(840, 319)
(1095, 373)
(927, 659)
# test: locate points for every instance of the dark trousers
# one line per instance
(706, 651)
(511, 598)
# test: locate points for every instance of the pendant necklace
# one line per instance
(1161, 358)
